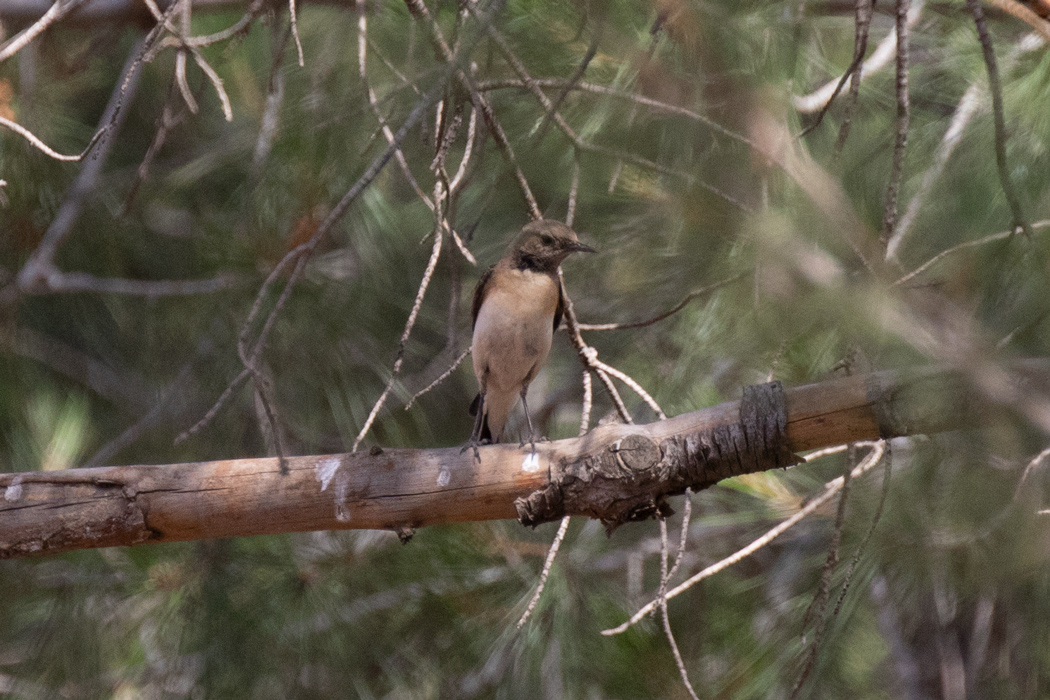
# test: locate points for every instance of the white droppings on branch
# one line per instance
(325, 469)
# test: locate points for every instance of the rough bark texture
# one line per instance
(632, 478)
(616, 473)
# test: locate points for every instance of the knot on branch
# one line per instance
(631, 478)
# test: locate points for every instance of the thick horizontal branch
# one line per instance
(615, 472)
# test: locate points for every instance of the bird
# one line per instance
(517, 307)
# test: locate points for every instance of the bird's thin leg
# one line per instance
(528, 420)
(475, 434)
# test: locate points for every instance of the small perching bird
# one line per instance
(517, 307)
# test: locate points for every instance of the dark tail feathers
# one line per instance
(486, 434)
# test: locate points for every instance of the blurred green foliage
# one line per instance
(950, 592)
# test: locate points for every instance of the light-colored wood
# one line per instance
(47, 512)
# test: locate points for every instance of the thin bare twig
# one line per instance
(167, 121)
(830, 489)
(362, 53)
(39, 268)
(862, 29)
(900, 143)
(964, 112)
(656, 105)
(588, 355)
(683, 535)
(419, 9)
(703, 291)
(428, 274)
(848, 578)
(185, 10)
(548, 106)
(295, 32)
(54, 281)
(300, 254)
(22, 39)
(209, 416)
(629, 381)
(41, 146)
(860, 45)
(878, 60)
(1038, 225)
(162, 408)
(576, 76)
(588, 401)
(548, 562)
(162, 19)
(1019, 220)
(585, 424)
(661, 596)
(444, 375)
(823, 593)
(270, 121)
(238, 27)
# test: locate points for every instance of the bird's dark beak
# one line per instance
(578, 247)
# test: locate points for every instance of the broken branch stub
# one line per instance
(631, 479)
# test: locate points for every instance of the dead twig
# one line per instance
(830, 489)
(878, 60)
(665, 617)
(1002, 235)
(860, 45)
(301, 254)
(862, 29)
(1019, 220)
(696, 294)
(900, 143)
(56, 12)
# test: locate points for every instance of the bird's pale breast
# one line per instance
(513, 330)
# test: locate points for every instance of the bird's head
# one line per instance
(544, 244)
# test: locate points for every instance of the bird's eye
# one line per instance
(546, 239)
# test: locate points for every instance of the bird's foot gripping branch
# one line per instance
(632, 478)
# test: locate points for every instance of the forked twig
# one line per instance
(860, 45)
(830, 489)
(301, 254)
(419, 9)
(388, 134)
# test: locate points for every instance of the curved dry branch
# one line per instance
(38, 144)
